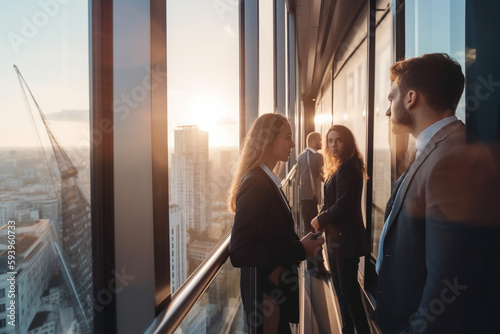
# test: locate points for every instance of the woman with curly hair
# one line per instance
(342, 220)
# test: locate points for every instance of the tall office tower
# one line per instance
(178, 241)
(76, 238)
(190, 176)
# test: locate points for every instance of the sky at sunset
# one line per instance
(54, 62)
(48, 41)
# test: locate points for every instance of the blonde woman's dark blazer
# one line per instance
(263, 240)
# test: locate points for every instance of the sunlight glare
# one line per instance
(205, 111)
(208, 113)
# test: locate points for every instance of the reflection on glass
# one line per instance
(45, 236)
(323, 112)
(203, 111)
(355, 37)
(349, 104)
(381, 136)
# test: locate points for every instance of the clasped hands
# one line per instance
(312, 245)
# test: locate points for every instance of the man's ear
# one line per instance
(412, 98)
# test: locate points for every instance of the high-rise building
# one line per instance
(190, 176)
(178, 242)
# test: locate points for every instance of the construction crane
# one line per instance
(75, 250)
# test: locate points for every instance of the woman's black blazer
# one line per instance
(341, 214)
(262, 239)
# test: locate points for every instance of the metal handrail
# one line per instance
(290, 175)
(191, 291)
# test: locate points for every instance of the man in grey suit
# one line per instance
(438, 261)
(311, 163)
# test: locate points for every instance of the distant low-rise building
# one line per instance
(34, 262)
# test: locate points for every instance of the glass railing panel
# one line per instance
(219, 310)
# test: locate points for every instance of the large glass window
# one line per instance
(44, 166)
(436, 26)
(350, 84)
(349, 103)
(323, 110)
(203, 139)
(266, 57)
(381, 133)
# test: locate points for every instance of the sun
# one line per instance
(205, 111)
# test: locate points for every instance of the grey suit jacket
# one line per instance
(441, 264)
(316, 162)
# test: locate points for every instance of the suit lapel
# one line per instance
(287, 204)
(426, 151)
(279, 193)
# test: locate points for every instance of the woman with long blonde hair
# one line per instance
(341, 218)
(263, 241)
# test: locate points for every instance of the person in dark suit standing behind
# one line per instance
(310, 163)
(438, 261)
(263, 241)
(341, 217)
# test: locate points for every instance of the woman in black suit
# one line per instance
(341, 218)
(263, 241)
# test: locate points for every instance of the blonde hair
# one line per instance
(350, 150)
(257, 143)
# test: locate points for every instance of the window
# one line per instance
(349, 103)
(266, 57)
(323, 112)
(203, 138)
(44, 158)
(350, 83)
(203, 128)
(436, 26)
(382, 135)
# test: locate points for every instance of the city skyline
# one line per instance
(48, 40)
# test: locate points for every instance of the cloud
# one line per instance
(78, 116)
